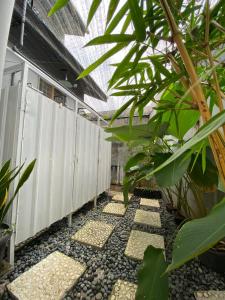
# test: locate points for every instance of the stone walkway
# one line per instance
(57, 273)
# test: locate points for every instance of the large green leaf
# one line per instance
(137, 19)
(142, 132)
(94, 6)
(153, 284)
(207, 178)
(103, 58)
(136, 132)
(181, 121)
(134, 160)
(173, 172)
(197, 236)
(213, 124)
(111, 38)
(57, 6)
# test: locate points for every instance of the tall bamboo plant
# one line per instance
(174, 62)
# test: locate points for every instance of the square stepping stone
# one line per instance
(94, 233)
(147, 218)
(119, 197)
(50, 279)
(123, 290)
(139, 241)
(112, 193)
(210, 295)
(118, 209)
(149, 202)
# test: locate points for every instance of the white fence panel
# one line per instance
(48, 135)
(8, 114)
(85, 186)
(73, 158)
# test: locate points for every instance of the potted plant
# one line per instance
(7, 196)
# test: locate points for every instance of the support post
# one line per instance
(17, 152)
(6, 10)
(69, 220)
(96, 197)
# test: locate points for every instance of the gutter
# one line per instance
(23, 21)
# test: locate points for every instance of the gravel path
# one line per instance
(105, 266)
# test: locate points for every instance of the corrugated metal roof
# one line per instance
(65, 21)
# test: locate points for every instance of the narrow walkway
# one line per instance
(97, 258)
(115, 247)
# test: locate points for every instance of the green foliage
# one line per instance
(197, 236)
(143, 133)
(111, 38)
(94, 6)
(118, 17)
(173, 172)
(137, 19)
(207, 177)
(6, 178)
(155, 71)
(151, 283)
(134, 160)
(93, 66)
(209, 127)
(112, 8)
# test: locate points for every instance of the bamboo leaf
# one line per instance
(122, 66)
(121, 110)
(133, 87)
(111, 38)
(137, 19)
(104, 57)
(112, 7)
(197, 236)
(118, 17)
(124, 93)
(94, 6)
(126, 23)
(57, 6)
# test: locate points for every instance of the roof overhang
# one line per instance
(43, 49)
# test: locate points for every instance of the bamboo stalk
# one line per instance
(214, 139)
(211, 62)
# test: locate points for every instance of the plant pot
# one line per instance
(214, 260)
(5, 234)
(146, 193)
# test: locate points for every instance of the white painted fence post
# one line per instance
(96, 197)
(6, 10)
(17, 144)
